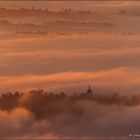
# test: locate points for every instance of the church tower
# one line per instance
(89, 91)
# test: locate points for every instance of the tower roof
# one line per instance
(89, 91)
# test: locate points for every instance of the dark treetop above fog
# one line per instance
(40, 101)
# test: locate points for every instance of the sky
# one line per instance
(106, 58)
(88, 5)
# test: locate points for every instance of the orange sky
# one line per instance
(88, 5)
(43, 63)
(104, 57)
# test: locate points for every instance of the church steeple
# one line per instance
(89, 91)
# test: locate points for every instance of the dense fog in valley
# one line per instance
(63, 47)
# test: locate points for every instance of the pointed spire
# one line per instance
(89, 91)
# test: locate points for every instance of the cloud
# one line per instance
(102, 6)
(47, 55)
(81, 118)
(120, 78)
(21, 123)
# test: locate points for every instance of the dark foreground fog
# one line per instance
(39, 114)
